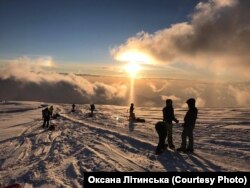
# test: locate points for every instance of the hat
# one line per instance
(190, 101)
(169, 101)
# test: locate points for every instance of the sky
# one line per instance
(171, 49)
(80, 32)
(182, 39)
(195, 39)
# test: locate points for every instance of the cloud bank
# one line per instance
(240, 95)
(29, 81)
(172, 97)
(216, 38)
(157, 90)
(23, 80)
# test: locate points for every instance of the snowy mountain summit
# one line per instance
(38, 157)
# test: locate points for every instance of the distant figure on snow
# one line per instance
(131, 113)
(168, 117)
(46, 117)
(188, 127)
(51, 110)
(132, 117)
(92, 108)
(73, 108)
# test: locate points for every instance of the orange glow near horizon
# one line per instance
(132, 69)
(48, 63)
(135, 59)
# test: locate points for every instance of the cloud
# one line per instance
(29, 81)
(196, 93)
(157, 90)
(216, 38)
(53, 87)
(200, 102)
(43, 61)
(149, 103)
(240, 95)
(191, 91)
(173, 97)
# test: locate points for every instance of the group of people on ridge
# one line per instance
(47, 114)
(164, 128)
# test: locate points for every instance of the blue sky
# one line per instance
(186, 39)
(81, 31)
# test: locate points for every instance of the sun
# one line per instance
(48, 63)
(132, 69)
(134, 56)
(135, 60)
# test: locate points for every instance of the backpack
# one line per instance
(46, 113)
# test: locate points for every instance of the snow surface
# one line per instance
(36, 157)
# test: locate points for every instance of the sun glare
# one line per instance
(45, 62)
(48, 63)
(135, 60)
(132, 69)
(134, 56)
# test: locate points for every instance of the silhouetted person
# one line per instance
(131, 109)
(51, 111)
(46, 117)
(131, 113)
(168, 117)
(92, 108)
(188, 127)
(161, 129)
(164, 128)
(73, 108)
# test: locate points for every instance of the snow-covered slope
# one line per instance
(107, 142)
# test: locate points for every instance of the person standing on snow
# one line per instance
(73, 108)
(164, 128)
(188, 127)
(46, 117)
(92, 108)
(168, 117)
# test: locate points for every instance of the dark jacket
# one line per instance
(190, 117)
(46, 114)
(92, 107)
(168, 115)
(131, 109)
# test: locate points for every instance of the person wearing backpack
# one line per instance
(46, 117)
